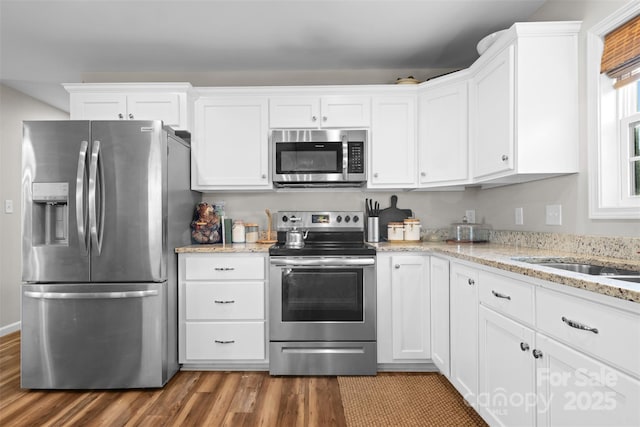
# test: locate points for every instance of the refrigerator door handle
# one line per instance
(90, 295)
(96, 197)
(80, 198)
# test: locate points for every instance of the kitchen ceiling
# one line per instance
(45, 43)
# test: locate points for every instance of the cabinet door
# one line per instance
(98, 106)
(393, 142)
(506, 392)
(230, 146)
(492, 114)
(464, 331)
(439, 281)
(345, 112)
(410, 307)
(294, 112)
(155, 106)
(576, 390)
(443, 134)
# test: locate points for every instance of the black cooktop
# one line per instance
(327, 244)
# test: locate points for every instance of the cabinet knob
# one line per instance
(471, 282)
(505, 157)
(224, 342)
(397, 266)
(536, 353)
(324, 118)
(524, 346)
(264, 176)
(375, 175)
(120, 116)
(130, 116)
(314, 119)
(423, 174)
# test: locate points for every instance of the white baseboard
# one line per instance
(6, 330)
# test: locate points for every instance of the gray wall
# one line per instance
(14, 108)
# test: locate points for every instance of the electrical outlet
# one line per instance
(519, 216)
(8, 206)
(553, 215)
(471, 215)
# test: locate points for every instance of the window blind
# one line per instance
(621, 56)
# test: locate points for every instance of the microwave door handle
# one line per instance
(81, 220)
(345, 158)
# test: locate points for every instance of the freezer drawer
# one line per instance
(94, 336)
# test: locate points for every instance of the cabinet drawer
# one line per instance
(507, 296)
(215, 267)
(225, 341)
(615, 334)
(218, 301)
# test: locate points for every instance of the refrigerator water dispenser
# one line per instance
(50, 213)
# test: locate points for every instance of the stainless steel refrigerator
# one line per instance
(104, 205)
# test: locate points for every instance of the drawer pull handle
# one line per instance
(578, 325)
(536, 353)
(224, 269)
(499, 295)
(524, 346)
(471, 282)
(217, 301)
(225, 342)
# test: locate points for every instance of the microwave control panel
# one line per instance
(356, 157)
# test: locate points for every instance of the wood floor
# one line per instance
(189, 399)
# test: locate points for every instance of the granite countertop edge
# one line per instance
(503, 257)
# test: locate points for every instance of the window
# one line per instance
(614, 118)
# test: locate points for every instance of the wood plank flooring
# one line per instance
(190, 399)
(203, 398)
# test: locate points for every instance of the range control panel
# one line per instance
(316, 220)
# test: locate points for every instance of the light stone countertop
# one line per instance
(499, 256)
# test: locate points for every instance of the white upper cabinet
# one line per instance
(131, 101)
(524, 104)
(310, 112)
(443, 142)
(392, 158)
(230, 146)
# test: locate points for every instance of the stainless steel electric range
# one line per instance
(322, 293)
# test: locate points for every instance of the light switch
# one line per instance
(553, 215)
(519, 216)
(8, 206)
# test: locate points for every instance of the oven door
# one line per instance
(322, 299)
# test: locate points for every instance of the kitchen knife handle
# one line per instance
(80, 198)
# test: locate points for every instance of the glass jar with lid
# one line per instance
(238, 231)
(251, 232)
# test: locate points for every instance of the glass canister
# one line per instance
(412, 229)
(395, 231)
(237, 231)
(251, 232)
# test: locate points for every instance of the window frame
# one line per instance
(609, 197)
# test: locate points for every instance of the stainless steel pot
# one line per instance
(295, 238)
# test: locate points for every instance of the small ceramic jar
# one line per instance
(395, 231)
(412, 229)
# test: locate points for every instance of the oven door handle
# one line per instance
(323, 262)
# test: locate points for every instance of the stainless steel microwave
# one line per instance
(319, 158)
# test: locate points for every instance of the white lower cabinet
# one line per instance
(403, 309)
(439, 277)
(464, 331)
(222, 310)
(576, 390)
(550, 357)
(506, 371)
